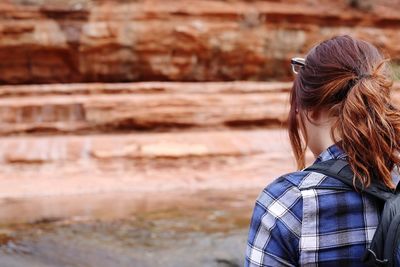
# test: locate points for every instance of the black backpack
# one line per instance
(385, 246)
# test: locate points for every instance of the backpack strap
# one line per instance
(341, 170)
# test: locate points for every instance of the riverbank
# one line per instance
(208, 228)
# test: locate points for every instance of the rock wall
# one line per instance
(153, 106)
(71, 138)
(47, 41)
(71, 141)
(84, 141)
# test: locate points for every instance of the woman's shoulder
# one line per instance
(296, 180)
(305, 180)
(284, 186)
(282, 196)
(288, 190)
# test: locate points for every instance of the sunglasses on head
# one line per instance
(297, 64)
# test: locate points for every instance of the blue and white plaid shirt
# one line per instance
(308, 219)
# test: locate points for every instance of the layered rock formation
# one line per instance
(205, 40)
(123, 142)
(139, 138)
(73, 142)
(141, 106)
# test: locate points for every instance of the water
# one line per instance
(202, 229)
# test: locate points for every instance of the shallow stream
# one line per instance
(200, 229)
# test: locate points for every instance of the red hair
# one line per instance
(350, 79)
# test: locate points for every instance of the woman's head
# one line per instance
(349, 80)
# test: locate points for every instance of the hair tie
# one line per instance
(365, 75)
(356, 79)
(344, 92)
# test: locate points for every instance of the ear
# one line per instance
(320, 117)
(314, 115)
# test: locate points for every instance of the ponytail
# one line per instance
(369, 128)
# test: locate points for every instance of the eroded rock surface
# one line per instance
(65, 141)
(78, 108)
(145, 106)
(204, 40)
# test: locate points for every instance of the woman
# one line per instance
(340, 109)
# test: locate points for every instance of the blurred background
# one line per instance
(140, 132)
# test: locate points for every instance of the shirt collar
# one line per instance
(335, 152)
(332, 152)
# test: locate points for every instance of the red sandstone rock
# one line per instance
(53, 149)
(111, 41)
(103, 162)
(109, 153)
(47, 175)
(108, 165)
(143, 106)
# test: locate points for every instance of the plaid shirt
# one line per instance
(309, 219)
